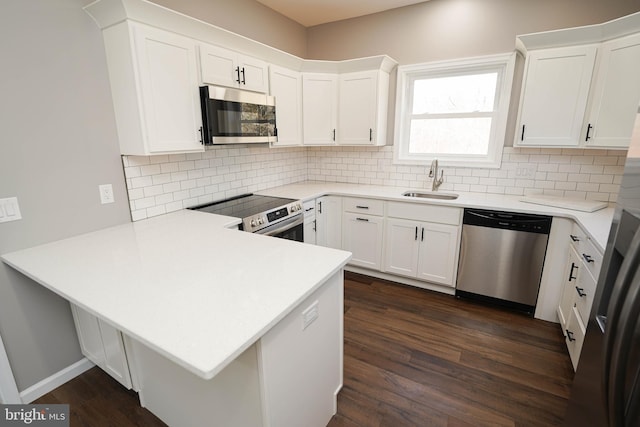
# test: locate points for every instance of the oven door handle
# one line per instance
(282, 226)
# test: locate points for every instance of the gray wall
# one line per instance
(248, 18)
(448, 29)
(58, 142)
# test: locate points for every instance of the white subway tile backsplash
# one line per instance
(161, 184)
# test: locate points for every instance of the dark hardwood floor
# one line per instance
(412, 358)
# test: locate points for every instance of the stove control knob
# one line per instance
(253, 223)
(260, 221)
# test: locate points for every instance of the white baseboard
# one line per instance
(56, 380)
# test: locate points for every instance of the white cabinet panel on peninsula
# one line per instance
(228, 68)
(154, 83)
(102, 344)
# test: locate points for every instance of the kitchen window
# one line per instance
(455, 111)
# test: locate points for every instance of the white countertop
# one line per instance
(182, 284)
(595, 224)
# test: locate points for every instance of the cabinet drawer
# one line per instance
(364, 206)
(430, 213)
(584, 291)
(574, 336)
(587, 251)
(592, 258)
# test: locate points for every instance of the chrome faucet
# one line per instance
(433, 173)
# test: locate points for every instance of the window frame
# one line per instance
(504, 64)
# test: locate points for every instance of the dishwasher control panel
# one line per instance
(508, 220)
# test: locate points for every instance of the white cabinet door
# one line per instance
(362, 235)
(401, 247)
(329, 221)
(171, 114)
(115, 358)
(309, 233)
(616, 94)
(319, 108)
(357, 108)
(286, 86)
(102, 344)
(438, 253)
(554, 96)
(89, 335)
(224, 67)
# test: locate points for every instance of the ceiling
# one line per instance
(315, 12)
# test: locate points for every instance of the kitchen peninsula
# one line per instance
(218, 325)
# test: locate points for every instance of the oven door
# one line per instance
(291, 229)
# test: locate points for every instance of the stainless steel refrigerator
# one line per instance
(606, 386)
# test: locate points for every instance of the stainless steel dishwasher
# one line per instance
(501, 257)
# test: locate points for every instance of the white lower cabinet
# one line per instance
(309, 233)
(362, 236)
(329, 221)
(102, 344)
(422, 250)
(582, 269)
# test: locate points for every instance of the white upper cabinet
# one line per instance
(362, 107)
(154, 83)
(286, 86)
(228, 68)
(615, 94)
(554, 96)
(319, 108)
(581, 86)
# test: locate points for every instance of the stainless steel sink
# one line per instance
(431, 195)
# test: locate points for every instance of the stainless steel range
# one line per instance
(271, 216)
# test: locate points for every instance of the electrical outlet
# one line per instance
(309, 315)
(106, 193)
(526, 171)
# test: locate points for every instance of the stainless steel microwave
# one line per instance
(231, 116)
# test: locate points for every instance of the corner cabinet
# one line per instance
(154, 84)
(554, 96)
(102, 344)
(580, 86)
(224, 67)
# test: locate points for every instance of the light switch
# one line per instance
(9, 209)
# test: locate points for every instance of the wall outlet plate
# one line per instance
(9, 209)
(106, 193)
(309, 315)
